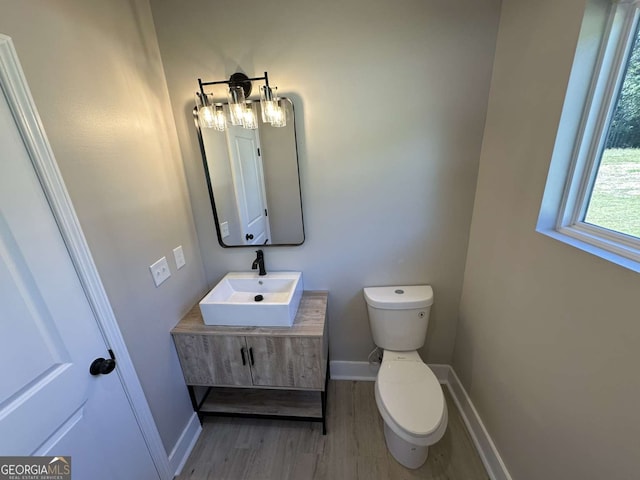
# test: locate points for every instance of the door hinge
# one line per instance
(259, 152)
(265, 213)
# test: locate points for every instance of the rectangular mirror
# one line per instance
(254, 182)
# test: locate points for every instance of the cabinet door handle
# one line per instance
(244, 361)
(251, 355)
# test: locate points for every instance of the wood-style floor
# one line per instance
(354, 447)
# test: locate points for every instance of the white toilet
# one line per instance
(408, 394)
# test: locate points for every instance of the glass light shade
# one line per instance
(205, 111)
(206, 117)
(237, 104)
(249, 117)
(268, 103)
(280, 115)
(219, 119)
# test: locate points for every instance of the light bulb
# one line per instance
(249, 118)
(280, 114)
(206, 116)
(236, 104)
(268, 104)
(219, 120)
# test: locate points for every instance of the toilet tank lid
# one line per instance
(399, 298)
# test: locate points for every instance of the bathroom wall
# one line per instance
(390, 100)
(547, 343)
(95, 73)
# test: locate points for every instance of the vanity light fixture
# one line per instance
(249, 117)
(273, 110)
(241, 111)
(279, 115)
(237, 104)
(206, 112)
(268, 103)
(219, 118)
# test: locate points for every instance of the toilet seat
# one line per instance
(410, 399)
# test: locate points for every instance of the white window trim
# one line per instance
(598, 108)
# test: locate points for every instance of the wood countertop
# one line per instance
(309, 321)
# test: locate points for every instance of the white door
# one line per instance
(248, 183)
(49, 402)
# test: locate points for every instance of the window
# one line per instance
(597, 207)
(614, 202)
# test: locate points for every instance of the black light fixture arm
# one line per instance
(237, 79)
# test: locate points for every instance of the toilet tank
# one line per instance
(399, 316)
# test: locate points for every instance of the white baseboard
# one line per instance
(446, 375)
(491, 459)
(353, 371)
(185, 444)
(441, 371)
(367, 372)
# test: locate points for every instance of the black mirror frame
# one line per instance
(210, 188)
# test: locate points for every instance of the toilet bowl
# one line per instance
(412, 405)
(408, 395)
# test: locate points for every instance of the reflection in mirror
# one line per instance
(253, 181)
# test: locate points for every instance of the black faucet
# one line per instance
(259, 262)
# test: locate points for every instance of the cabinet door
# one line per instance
(293, 362)
(213, 360)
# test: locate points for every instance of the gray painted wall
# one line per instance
(392, 100)
(95, 73)
(547, 341)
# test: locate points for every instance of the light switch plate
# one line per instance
(224, 229)
(160, 271)
(178, 254)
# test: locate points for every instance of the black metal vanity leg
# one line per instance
(192, 396)
(194, 402)
(323, 397)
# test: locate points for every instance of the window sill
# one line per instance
(584, 238)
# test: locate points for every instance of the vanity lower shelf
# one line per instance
(254, 401)
(257, 371)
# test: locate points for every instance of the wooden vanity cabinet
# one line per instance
(288, 362)
(272, 371)
(213, 359)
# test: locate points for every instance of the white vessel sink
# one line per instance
(233, 300)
